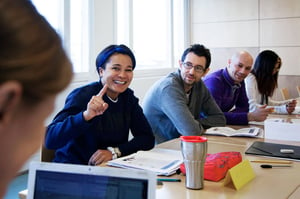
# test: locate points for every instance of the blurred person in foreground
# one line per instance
(33, 69)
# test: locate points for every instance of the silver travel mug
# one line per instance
(194, 150)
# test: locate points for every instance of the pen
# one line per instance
(272, 161)
(268, 166)
(169, 179)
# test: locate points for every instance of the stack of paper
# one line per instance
(161, 161)
(282, 129)
(297, 110)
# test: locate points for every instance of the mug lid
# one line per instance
(193, 138)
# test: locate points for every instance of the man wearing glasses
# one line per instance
(180, 104)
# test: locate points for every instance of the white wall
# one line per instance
(226, 26)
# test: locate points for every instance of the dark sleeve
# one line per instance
(234, 118)
(239, 116)
(215, 87)
(143, 138)
(242, 104)
(69, 123)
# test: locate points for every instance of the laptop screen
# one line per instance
(106, 183)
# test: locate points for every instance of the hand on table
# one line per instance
(100, 156)
(290, 106)
(260, 114)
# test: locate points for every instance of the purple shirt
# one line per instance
(231, 97)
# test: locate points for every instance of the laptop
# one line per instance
(68, 181)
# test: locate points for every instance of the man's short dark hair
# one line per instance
(199, 50)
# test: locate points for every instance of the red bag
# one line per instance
(217, 165)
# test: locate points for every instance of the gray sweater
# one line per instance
(171, 114)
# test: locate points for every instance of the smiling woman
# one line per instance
(115, 65)
(94, 125)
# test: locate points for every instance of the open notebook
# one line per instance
(55, 180)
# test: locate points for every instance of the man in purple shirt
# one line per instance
(228, 89)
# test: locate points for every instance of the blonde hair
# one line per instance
(31, 52)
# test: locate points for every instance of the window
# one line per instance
(66, 17)
(154, 30)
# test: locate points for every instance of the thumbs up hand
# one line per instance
(96, 106)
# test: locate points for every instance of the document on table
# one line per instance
(282, 129)
(256, 123)
(297, 110)
(230, 132)
(161, 161)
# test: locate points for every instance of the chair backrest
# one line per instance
(47, 155)
(285, 93)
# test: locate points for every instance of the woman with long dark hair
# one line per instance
(262, 82)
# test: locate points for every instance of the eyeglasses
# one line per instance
(197, 68)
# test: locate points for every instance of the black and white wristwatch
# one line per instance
(116, 153)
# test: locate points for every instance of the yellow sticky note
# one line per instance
(240, 174)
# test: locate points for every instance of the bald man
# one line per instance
(228, 89)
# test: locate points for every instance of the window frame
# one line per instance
(91, 73)
(64, 31)
(183, 28)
